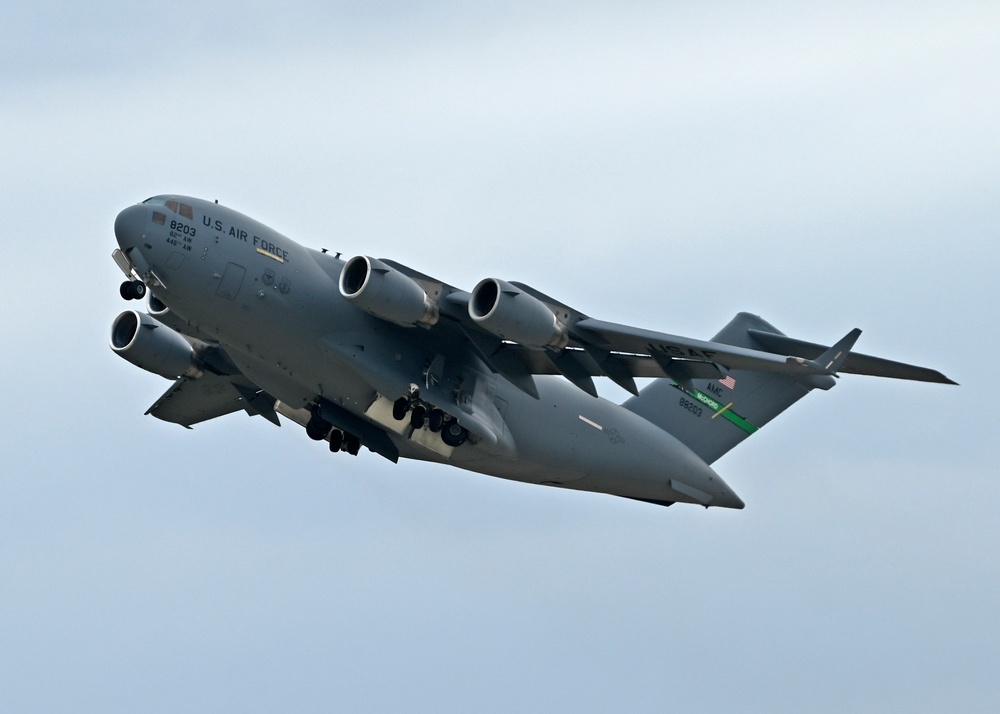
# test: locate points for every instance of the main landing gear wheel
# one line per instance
(454, 435)
(132, 290)
(341, 440)
(317, 427)
(436, 420)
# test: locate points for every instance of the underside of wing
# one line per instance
(190, 401)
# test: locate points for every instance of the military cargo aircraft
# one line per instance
(368, 352)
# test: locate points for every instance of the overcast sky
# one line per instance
(661, 164)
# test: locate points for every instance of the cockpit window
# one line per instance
(171, 204)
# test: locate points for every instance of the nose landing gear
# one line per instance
(132, 290)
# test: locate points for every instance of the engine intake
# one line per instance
(151, 345)
(511, 314)
(156, 307)
(386, 293)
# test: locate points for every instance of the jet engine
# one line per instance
(151, 345)
(156, 307)
(386, 293)
(510, 313)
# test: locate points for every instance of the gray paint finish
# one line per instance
(273, 325)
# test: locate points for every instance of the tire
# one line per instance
(454, 435)
(317, 428)
(399, 408)
(336, 440)
(138, 290)
(436, 420)
(417, 415)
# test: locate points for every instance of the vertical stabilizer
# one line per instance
(711, 416)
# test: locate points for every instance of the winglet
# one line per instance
(830, 361)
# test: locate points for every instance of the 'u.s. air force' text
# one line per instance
(240, 234)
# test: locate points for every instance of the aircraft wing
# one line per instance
(622, 353)
(190, 401)
(664, 348)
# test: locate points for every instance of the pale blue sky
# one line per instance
(666, 166)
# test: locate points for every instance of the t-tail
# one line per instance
(712, 416)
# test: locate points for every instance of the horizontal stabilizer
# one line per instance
(853, 362)
(831, 360)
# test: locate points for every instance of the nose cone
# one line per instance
(130, 226)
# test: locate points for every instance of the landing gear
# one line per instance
(454, 435)
(423, 414)
(132, 290)
(436, 420)
(317, 427)
(417, 415)
(342, 441)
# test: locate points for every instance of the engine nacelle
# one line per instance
(386, 293)
(512, 314)
(155, 307)
(151, 345)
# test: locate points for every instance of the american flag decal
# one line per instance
(728, 381)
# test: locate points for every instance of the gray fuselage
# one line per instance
(275, 308)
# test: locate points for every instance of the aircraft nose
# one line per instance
(130, 226)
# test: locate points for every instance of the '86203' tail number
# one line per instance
(691, 406)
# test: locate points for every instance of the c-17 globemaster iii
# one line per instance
(499, 380)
